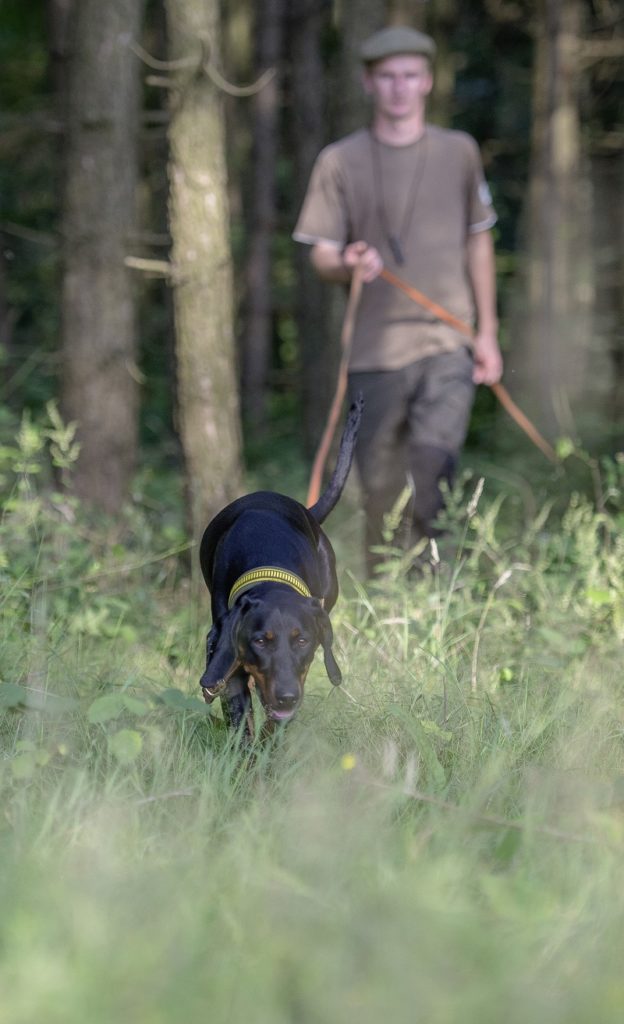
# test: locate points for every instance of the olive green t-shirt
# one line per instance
(431, 195)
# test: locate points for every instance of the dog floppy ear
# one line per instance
(222, 660)
(326, 639)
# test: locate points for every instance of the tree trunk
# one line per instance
(199, 219)
(59, 15)
(608, 182)
(256, 349)
(98, 318)
(8, 316)
(407, 12)
(550, 350)
(357, 20)
(439, 19)
(441, 25)
(319, 350)
(321, 306)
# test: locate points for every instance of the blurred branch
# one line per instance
(206, 64)
(159, 268)
(238, 90)
(50, 241)
(160, 82)
(162, 65)
(591, 51)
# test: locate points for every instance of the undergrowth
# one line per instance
(438, 839)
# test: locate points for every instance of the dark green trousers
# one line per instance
(413, 427)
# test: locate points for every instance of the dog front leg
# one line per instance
(236, 705)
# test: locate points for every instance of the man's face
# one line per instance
(399, 85)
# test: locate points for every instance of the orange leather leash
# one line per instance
(423, 300)
(499, 389)
(346, 339)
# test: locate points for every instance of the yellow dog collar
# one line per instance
(267, 574)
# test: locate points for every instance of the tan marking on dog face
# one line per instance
(258, 679)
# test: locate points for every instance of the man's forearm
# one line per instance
(482, 274)
(488, 366)
(329, 264)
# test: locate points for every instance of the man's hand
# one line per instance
(488, 361)
(334, 264)
(365, 257)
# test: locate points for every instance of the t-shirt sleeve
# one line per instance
(323, 216)
(481, 212)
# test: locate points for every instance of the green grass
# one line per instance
(377, 858)
(439, 840)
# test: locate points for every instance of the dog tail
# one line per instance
(329, 498)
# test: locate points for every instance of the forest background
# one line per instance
(153, 159)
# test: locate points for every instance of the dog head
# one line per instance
(273, 638)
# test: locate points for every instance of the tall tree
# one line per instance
(603, 56)
(357, 21)
(7, 315)
(202, 267)
(440, 24)
(608, 188)
(551, 337)
(318, 357)
(98, 317)
(256, 348)
(58, 17)
(320, 114)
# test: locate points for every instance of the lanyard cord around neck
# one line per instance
(396, 241)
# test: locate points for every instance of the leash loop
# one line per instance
(346, 340)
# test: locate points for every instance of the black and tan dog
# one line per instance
(271, 573)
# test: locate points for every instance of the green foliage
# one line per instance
(125, 745)
(61, 571)
(442, 835)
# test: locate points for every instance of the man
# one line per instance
(413, 197)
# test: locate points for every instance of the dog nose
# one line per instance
(286, 699)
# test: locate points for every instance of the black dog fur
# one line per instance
(270, 631)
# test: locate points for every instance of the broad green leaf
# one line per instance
(12, 695)
(126, 745)
(434, 729)
(173, 698)
(134, 705)
(179, 701)
(105, 708)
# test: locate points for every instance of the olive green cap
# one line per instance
(394, 40)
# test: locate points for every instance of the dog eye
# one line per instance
(259, 641)
(302, 641)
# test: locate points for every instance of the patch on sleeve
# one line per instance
(484, 193)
